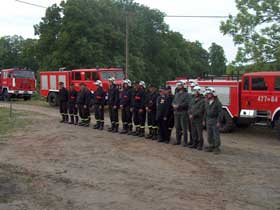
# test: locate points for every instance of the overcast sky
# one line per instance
(18, 18)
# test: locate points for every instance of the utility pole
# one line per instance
(126, 45)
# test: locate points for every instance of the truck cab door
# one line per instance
(246, 91)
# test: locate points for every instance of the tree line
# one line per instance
(87, 34)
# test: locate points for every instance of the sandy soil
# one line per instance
(53, 166)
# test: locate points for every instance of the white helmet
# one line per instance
(194, 84)
(112, 79)
(98, 82)
(127, 81)
(179, 82)
(142, 83)
(197, 89)
(210, 90)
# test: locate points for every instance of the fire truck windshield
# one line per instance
(23, 74)
(117, 74)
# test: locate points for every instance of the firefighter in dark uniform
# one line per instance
(73, 108)
(63, 100)
(163, 114)
(138, 108)
(171, 113)
(113, 102)
(99, 102)
(196, 114)
(151, 107)
(83, 101)
(125, 105)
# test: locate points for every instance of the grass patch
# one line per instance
(9, 124)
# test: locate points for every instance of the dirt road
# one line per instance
(53, 166)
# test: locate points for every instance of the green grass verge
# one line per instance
(9, 124)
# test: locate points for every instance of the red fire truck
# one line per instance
(255, 99)
(17, 83)
(50, 79)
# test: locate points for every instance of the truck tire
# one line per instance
(27, 98)
(277, 127)
(52, 99)
(227, 123)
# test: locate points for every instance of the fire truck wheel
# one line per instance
(277, 127)
(227, 123)
(26, 98)
(52, 99)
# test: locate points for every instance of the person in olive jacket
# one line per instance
(181, 104)
(196, 115)
(213, 113)
(63, 101)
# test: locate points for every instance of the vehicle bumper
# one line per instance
(21, 92)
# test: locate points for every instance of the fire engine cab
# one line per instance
(17, 83)
(50, 80)
(253, 100)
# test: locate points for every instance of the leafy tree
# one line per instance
(81, 33)
(217, 60)
(256, 30)
(15, 51)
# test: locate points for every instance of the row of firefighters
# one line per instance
(187, 111)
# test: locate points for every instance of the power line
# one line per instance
(32, 4)
(167, 16)
(196, 16)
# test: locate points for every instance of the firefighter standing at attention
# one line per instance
(138, 109)
(113, 102)
(213, 115)
(99, 102)
(196, 115)
(125, 105)
(171, 111)
(180, 105)
(73, 108)
(63, 100)
(163, 114)
(151, 108)
(83, 101)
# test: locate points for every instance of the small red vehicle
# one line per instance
(17, 83)
(255, 99)
(50, 79)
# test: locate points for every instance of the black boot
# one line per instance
(62, 119)
(155, 134)
(101, 127)
(76, 120)
(178, 140)
(111, 128)
(129, 130)
(137, 131)
(116, 129)
(125, 129)
(97, 125)
(66, 119)
(71, 120)
(151, 134)
(142, 132)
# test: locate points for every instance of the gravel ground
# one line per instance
(53, 166)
